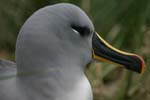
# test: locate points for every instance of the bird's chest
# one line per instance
(81, 91)
(62, 89)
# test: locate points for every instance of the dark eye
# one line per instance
(83, 31)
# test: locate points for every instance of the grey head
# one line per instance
(56, 39)
(55, 36)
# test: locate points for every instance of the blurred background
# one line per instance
(123, 23)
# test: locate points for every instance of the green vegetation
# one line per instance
(123, 23)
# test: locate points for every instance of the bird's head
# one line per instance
(64, 34)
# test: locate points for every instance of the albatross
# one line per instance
(52, 50)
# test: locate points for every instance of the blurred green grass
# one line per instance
(123, 23)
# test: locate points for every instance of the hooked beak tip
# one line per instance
(142, 63)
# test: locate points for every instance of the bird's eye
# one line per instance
(83, 31)
(75, 31)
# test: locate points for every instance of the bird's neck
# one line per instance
(33, 65)
(64, 84)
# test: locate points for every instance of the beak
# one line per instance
(103, 51)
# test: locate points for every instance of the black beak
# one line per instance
(105, 52)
